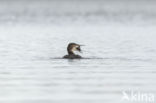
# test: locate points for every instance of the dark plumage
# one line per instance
(70, 49)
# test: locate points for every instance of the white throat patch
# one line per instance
(74, 48)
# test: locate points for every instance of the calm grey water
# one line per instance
(119, 52)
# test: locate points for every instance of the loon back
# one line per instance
(73, 56)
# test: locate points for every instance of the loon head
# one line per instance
(73, 47)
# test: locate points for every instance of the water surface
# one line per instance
(119, 52)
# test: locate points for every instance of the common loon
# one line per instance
(70, 49)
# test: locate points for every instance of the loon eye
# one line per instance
(78, 48)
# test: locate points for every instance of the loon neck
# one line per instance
(70, 53)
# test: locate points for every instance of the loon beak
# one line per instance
(81, 45)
